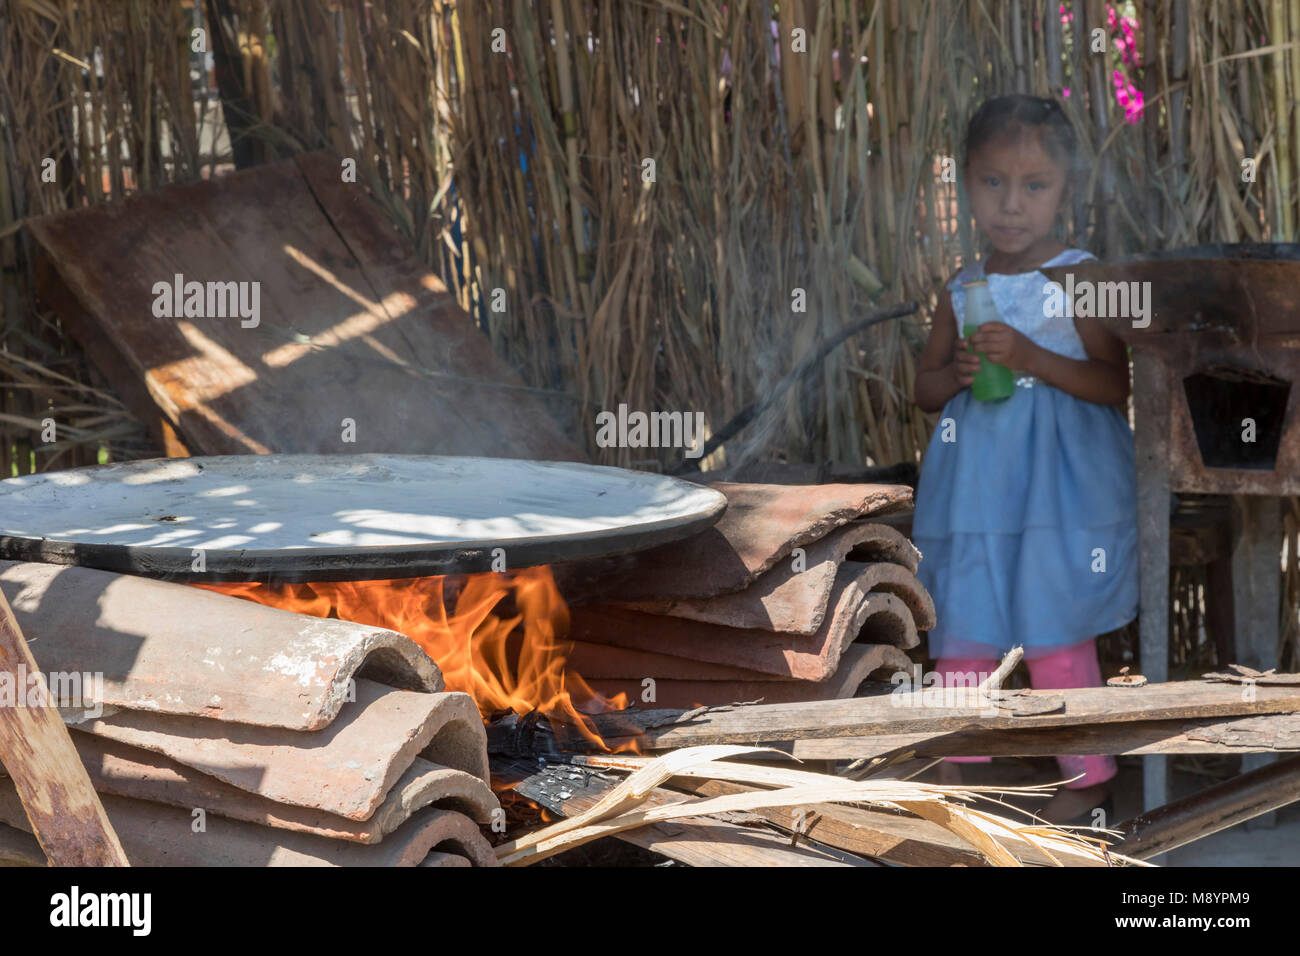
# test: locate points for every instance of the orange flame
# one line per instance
(511, 659)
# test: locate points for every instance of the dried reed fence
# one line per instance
(512, 140)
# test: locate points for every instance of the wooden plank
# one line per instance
(64, 811)
(333, 341)
(1269, 734)
(708, 841)
(911, 713)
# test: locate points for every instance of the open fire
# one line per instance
(505, 642)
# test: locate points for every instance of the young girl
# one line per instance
(1026, 509)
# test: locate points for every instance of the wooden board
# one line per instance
(60, 804)
(890, 714)
(351, 325)
(321, 516)
(1273, 733)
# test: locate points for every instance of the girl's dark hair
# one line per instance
(1001, 115)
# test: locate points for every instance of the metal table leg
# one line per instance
(1256, 592)
(1151, 421)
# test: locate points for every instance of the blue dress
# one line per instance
(1027, 517)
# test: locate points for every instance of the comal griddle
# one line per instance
(341, 517)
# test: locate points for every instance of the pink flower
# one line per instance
(1126, 94)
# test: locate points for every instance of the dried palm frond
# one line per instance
(992, 835)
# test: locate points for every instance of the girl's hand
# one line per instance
(965, 363)
(1004, 345)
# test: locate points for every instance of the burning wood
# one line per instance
(504, 642)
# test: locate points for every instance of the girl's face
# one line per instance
(1016, 190)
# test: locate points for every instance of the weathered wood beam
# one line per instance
(1273, 733)
(912, 714)
(37, 752)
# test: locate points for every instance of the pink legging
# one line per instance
(1073, 666)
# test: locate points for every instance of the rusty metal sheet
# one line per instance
(1230, 307)
(157, 835)
(346, 769)
(856, 614)
(351, 517)
(1238, 293)
(130, 772)
(1187, 470)
(793, 599)
(172, 649)
(761, 525)
(857, 664)
(352, 328)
